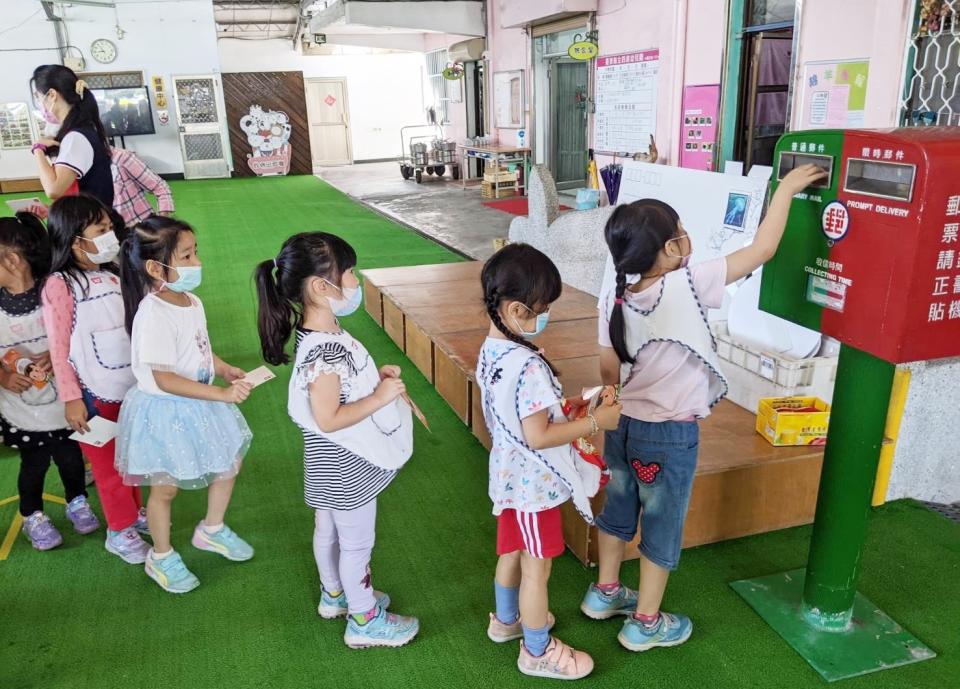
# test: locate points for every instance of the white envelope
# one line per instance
(102, 431)
(259, 376)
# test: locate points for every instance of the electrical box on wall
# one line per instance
(75, 63)
(871, 254)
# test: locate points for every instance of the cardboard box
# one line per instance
(787, 421)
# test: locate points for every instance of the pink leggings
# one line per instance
(342, 543)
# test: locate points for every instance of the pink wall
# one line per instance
(457, 112)
(874, 29)
(691, 36)
(509, 49)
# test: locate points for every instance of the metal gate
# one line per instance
(200, 118)
(931, 93)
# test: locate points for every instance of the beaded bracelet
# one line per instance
(594, 426)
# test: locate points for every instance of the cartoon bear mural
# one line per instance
(268, 133)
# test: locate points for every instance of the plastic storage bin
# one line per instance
(753, 375)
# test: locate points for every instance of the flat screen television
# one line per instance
(125, 111)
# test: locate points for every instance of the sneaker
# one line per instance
(141, 524)
(386, 629)
(83, 519)
(127, 545)
(559, 661)
(170, 573)
(599, 606)
(223, 542)
(501, 633)
(671, 630)
(331, 608)
(40, 530)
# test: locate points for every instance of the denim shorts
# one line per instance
(651, 475)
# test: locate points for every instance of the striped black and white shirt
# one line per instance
(333, 477)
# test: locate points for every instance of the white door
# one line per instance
(329, 122)
(200, 118)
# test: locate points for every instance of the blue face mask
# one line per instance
(188, 278)
(542, 319)
(352, 298)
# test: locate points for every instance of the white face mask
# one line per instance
(107, 248)
(350, 300)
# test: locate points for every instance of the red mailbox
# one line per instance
(895, 254)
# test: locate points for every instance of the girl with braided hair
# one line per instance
(655, 341)
(533, 466)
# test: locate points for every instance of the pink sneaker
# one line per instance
(501, 633)
(559, 661)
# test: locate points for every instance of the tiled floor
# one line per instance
(950, 511)
(438, 208)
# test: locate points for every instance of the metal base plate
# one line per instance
(872, 642)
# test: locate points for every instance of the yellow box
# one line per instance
(787, 421)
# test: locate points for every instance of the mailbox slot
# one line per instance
(881, 179)
(789, 161)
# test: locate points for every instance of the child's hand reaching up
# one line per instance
(800, 178)
(236, 392)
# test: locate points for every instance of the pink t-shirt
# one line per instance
(668, 383)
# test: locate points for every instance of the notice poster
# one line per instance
(698, 129)
(626, 101)
(834, 94)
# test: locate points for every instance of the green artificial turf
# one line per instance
(78, 617)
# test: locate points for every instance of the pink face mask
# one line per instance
(47, 115)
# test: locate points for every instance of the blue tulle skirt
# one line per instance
(179, 441)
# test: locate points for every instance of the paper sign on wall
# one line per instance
(834, 94)
(626, 101)
(698, 130)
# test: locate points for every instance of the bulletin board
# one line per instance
(834, 94)
(508, 99)
(626, 101)
(698, 127)
(15, 126)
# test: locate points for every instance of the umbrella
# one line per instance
(611, 181)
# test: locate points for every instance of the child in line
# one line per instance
(534, 468)
(31, 417)
(656, 342)
(90, 352)
(177, 429)
(357, 433)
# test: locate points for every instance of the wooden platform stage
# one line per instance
(743, 485)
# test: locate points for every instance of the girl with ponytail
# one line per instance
(177, 428)
(80, 146)
(655, 341)
(357, 428)
(533, 466)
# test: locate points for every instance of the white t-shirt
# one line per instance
(167, 337)
(76, 153)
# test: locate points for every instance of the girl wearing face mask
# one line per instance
(357, 429)
(31, 417)
(533, 466)
(655, 341)
(80, 148)
(177, 428)
(90, 351)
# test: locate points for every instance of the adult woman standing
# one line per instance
(81, 148)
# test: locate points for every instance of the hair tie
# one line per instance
(81, 85)
(618, 300)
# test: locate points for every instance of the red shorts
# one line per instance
(538, 533)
